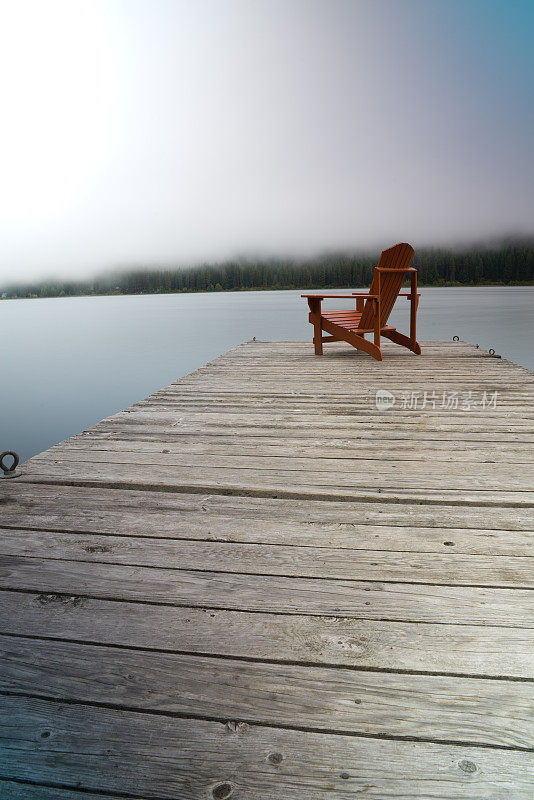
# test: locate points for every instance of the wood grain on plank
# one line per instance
(332, 471)
(387, 526)
(266, 559)
(452, 489)
(292, 429)
(468, 710)
(320, 448)
(409, 602)
(342, 641)
(162, 757)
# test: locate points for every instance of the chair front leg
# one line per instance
(315, 318)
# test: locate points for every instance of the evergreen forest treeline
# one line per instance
(507, 264)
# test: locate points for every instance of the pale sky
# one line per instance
(168, 132)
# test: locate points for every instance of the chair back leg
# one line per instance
(414, 302)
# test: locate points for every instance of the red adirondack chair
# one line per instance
(372, 308)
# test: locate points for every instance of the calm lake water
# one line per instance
(69, 362)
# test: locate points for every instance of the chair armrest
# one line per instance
(396, 269)
(346, 296)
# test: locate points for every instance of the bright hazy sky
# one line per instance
(171, 131)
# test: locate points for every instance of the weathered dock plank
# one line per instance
(479, 650)
(399, 526)
(158, 756)
(372, 599)
(274, 559)
(437, 708)
(256, 584)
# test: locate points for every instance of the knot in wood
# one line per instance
(467, 766)
(222, 791)
(236, 727)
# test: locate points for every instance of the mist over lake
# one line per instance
(69, 362)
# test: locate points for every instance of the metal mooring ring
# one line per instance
(455, 338)
(491, 351)
(10, 472)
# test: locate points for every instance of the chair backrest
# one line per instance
(387, 284)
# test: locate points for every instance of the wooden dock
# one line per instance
(256, 585)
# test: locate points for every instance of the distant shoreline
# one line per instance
(508, 263)
(496, 285)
